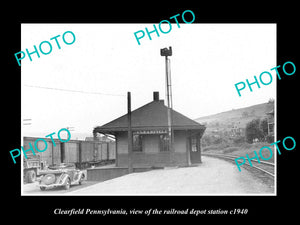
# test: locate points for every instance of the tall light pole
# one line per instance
(130, 144)
(168, 52)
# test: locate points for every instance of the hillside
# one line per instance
(236, 117)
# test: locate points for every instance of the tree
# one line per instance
(253, 131)
(263, 126)
(206, 140)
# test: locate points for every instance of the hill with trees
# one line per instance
(237, 126)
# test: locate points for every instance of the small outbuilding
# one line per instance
(150, 137)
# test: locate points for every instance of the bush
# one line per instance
(217, 140)
(209, 139)
(239, 140)
(270, 138)
(206, 140)
(253, 131)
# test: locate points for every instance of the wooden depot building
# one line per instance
(150, 137)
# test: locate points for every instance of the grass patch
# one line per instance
(230, 150)
(241, 149)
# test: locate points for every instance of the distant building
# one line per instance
(236, 130)
(271, 122)
(150, 137)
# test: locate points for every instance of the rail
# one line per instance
(264, 167)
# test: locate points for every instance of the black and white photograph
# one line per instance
(188, 121)
(173, 111)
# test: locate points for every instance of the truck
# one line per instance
(32, 167)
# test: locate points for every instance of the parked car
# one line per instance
(62, 175)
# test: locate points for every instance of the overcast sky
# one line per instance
(105, 59)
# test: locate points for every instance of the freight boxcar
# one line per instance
(94, 153)
(83, 153)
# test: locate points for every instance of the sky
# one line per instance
(105, 62)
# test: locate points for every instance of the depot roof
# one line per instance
(152, 116)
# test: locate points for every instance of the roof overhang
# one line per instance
(113, 131)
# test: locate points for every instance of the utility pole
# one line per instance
(130, 169)
(168, 52)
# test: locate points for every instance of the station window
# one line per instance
(194, 144)
(137, 143)
(164, 142)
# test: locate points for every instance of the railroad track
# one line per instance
(263, 169)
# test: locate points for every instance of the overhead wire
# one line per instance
(77, 91)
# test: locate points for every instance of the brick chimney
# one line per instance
(155, 96)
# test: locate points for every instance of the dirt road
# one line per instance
(212, 177)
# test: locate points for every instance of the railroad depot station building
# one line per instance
(150, 137)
